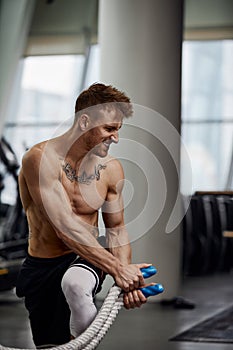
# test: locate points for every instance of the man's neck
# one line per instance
(71, 148)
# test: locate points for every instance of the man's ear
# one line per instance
(84, 122)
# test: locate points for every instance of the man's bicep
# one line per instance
(116, 233)
(113, 209)
(112, 220)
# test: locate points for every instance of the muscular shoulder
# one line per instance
(31, 160)
(35, 158)
(33, 155)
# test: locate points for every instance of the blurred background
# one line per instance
(174, 57)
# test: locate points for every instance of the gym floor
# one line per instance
(149, 328)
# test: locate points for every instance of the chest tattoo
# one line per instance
(83, 178)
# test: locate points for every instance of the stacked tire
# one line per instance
(205, 248)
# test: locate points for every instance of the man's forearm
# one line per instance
(76, 234)
(122, 253)
(94, 253)
(118, 244)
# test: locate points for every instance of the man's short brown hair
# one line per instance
(106, 96)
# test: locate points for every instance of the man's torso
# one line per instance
(85, 200)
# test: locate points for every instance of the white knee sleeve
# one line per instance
(78, 285)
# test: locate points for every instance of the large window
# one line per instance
(49, 86)
(46, 98)
(207, 112)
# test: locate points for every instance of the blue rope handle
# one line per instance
(151, 290)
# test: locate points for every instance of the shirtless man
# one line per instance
(63, 183)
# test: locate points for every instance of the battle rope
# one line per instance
(90, 338)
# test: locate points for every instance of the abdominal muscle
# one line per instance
(43, 241)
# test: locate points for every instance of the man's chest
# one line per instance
(85, 198)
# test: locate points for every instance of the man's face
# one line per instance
(104, 132)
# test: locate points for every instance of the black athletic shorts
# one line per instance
(39, 282)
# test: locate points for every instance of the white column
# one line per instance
(141, 54)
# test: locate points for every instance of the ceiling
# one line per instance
(62, 27)
(69, 26)
(208, 19)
